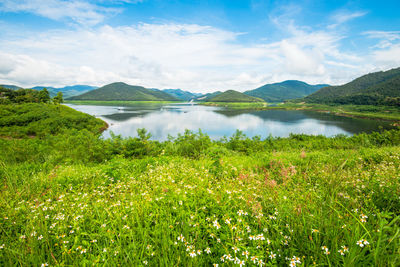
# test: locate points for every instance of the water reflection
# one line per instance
(161, 120)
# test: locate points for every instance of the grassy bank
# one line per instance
(38, 119)
(389, 113)
(236, 105)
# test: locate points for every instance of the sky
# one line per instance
(199, 46)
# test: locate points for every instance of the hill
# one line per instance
(10, 86)
(233, 96)
(206, 97)
(120, 91)
(180, 94)
(38, 119)
(378, 88)
(278, 92)
(67, 91)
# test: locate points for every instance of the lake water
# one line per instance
(163, 119)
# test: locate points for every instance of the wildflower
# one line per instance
(246, 254)
(362, 242)
(2, 246)
(272, 256)
(199, 252)
(181, 238)
(314, 231)
(208, 250)
(236, 249)
(104, 249)
(254, 259)
(241, 263)
(326, 250)
(294, 261)
(44, 264)
(83, 251)
(215, 265)
(216, 224)
(228, 221)
(260, 262)
(40, 237)
(193, 254)
(145, 262)
(22, 236)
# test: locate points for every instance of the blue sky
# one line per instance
(200, 46)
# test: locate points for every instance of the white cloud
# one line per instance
(79, 11)
(345, 16)
(187, 56)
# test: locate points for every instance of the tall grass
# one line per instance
(76, 199)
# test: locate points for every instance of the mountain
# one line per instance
(9, 86)
(120, 91)
(378, 88)
(206, 97)
(180, 94)
(233, 96)
(278, 92)
(67, 91)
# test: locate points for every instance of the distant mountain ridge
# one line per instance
(290, 89)
(120, 91)
(181, 94)
(67, 91)
(378, 88)
(233, 96)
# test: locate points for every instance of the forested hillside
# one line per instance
(124, 92)
(379, 88)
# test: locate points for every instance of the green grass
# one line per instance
(71, 198)
(136, 202)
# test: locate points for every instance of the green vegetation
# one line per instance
(180, 94)
(34, 119)
(379, 88)
(233, 96)
(389, 113)
(237, 105)
(278, 92)
(73, 198)
(123, 92)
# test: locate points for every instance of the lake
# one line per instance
(164, 119)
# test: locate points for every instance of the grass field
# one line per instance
(295, 201)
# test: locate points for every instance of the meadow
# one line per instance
(76, 199)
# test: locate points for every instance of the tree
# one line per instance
(58, 99)
(44, 96)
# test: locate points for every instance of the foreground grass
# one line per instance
(300, 207)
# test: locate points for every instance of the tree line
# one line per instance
(9, 96)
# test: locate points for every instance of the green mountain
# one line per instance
(206, 97)
(278, 92)
(180, 94)
(120, 91)
(378, 88)
(233, 96)
(9, 86)
(67, 91)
